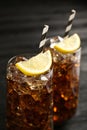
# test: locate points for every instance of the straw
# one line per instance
(43, 37)
(50, 41)
(47, 42)
(69, 25)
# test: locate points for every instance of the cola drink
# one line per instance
(66, 75)
(29, 99)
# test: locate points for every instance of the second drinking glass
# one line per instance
(66, 74)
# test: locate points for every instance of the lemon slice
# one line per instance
(68, 45)
(36, 65)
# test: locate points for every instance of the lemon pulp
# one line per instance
(68, 45)
(36, 65)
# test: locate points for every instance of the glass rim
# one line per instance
(28, 55)
(55, 39)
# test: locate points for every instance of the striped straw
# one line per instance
(69, 25)
(43, 37)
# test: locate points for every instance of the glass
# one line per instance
(66, 73)
(29, 99)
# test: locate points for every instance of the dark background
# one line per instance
(21, 24)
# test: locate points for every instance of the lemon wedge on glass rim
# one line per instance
(36, 65)
(69, 44)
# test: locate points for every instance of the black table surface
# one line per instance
(21, 24)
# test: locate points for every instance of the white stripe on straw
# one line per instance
(43, 37)
(69, 25)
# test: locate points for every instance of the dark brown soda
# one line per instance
(29, 100)
(66, 70)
